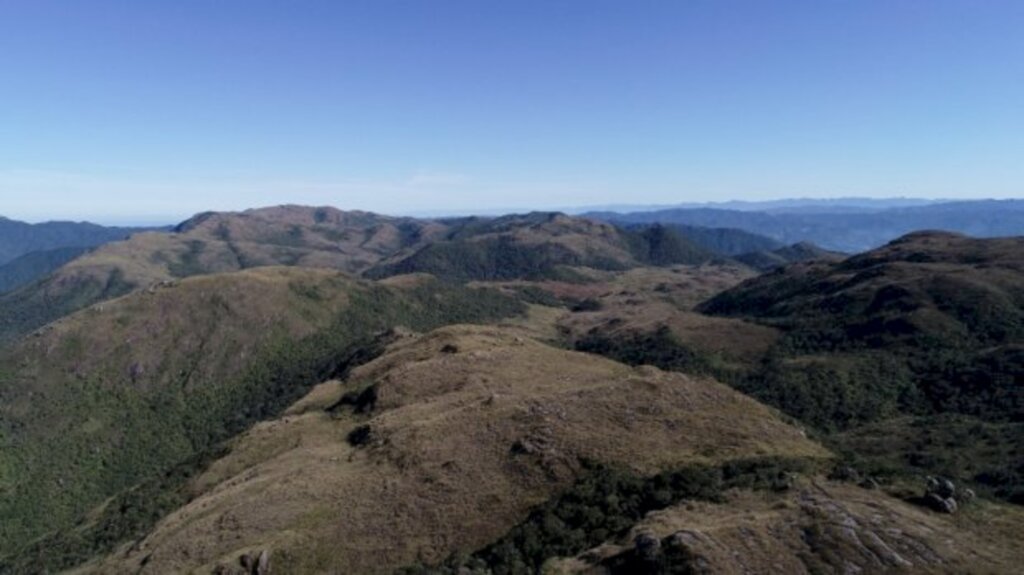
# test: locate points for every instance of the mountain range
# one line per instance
(848, 228)
(311, 390)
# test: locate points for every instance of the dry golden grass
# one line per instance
(821, 526)
(441, 471)
(147, 329)
(644, 299)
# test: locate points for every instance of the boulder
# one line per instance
(941, 504)
(262, 564)
(646, 547)
(942, 487)
(869, 483)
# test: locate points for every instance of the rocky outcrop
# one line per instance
(942, 495)
(248, 564)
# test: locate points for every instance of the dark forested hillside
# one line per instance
(34, 265)
(19, 238)
(930, 325)
(727, 241)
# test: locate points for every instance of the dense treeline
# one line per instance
(605, 503)
(32, 266)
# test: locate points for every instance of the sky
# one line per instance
(150, 111)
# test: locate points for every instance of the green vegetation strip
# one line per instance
(604, 504)
(965, 412)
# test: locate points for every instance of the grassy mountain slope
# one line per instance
(930, 325)
(440, 445)
(212, 243)
(926, 288)
(727, 241)
(766, 260)
(125, 391)
(541, 246)
(530, 246)
(20, 238)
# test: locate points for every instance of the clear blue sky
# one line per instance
(146, 109)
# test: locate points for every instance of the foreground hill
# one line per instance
(818, 526)
(443, 444)
(122, 393)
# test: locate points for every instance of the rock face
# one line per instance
(941, 487)
(647, 547)
(942, 496)
(262, 564)
(941, 504)
(248, 564)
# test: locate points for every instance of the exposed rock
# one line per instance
(262, 564)
(647, 547)
(966, 496)
(784, 482)
(360, 436)
(941, 504)
(844, 473)
(869, 483)
(942, 487)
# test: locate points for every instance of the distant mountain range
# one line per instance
(29, 267)
(846, 227)
(31, 251)
(19, 238)
(783, 205)
(344, 392)
(535, 246)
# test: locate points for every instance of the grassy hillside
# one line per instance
(541, 246)
(212, 243)
(124, 392)
(727, 241)
(931, 326)
(442, 445)
(766, 260)
(927, 328)
(946, 311)
(531, 246)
